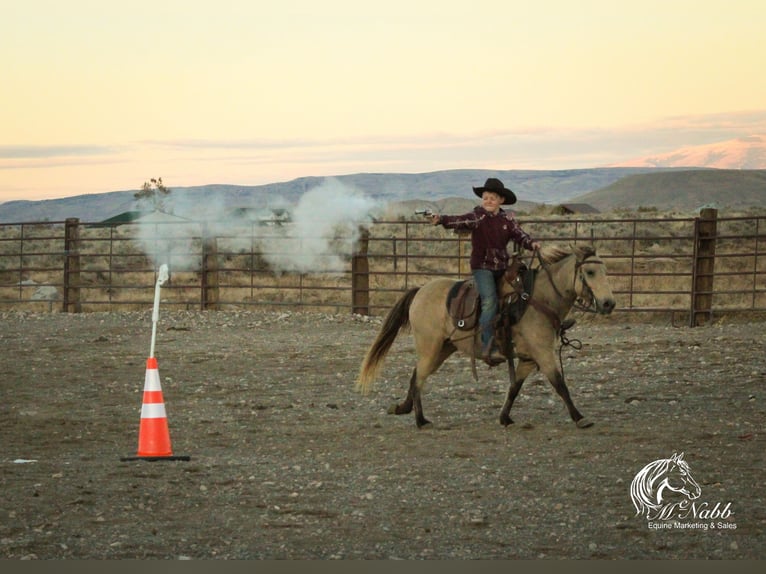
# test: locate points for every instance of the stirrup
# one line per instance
(494, 359)
(491, 355)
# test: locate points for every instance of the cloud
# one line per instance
(76, 169)
(48, 156)
(753, 121)
(54, 151)
(534, 147)
(531, 145)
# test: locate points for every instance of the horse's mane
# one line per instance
(553, 253)
(642, 487)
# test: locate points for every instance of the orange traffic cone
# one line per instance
(153, 434)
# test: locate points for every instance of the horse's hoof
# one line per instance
(397, 409)
(584, 423)
(506, 420)
(424, 424)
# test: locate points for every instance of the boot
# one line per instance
(491, 354)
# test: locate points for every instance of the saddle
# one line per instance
(463, 301)
(463, 305)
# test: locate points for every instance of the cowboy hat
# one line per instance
(496, 186)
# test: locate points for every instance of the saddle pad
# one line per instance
(517, 305)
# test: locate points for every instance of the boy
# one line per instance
(491, 229)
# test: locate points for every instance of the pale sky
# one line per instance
(102, 96)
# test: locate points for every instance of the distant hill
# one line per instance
(443, 191)
(535, 186)
(741, 153)
(683, 190)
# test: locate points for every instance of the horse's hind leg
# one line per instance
(427, 364)
(405, 407)
(412, 400)
(517, 376)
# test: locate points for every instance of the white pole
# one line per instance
(161, 278)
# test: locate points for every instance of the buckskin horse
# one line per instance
(562, 277)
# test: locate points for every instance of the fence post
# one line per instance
(705, 230)
(72, 302)
(209, 298)
(360, 276)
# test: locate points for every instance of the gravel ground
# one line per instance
(289, 462)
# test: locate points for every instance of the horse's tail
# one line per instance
(398, 318)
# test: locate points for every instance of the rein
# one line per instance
(561, 328)
(545, 267)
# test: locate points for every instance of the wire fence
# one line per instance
(695, 267)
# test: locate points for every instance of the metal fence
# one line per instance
(695, 267)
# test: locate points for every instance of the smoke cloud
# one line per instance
(320, 235)
(325, 228)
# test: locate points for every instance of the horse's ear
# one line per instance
(577, 250)
(677, 457)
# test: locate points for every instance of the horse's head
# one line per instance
(649, 485)
(591, 281)
(678, 478)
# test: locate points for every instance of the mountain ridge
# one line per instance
(605, 189)
(683, 190)
(533, 186)
(724, 172)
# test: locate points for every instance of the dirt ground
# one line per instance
(288, 461)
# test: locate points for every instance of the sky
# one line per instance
(104, 96)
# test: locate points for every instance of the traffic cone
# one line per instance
(154, 434)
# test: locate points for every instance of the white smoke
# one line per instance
(324, 230)
(173, 237)
(322, 233)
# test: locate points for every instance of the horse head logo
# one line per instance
(656, 481)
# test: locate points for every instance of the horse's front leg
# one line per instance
(556, 377)
(517, 378)
(513, 390)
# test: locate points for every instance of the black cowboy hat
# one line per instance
(496, 186)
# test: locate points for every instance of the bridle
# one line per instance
(586, 302)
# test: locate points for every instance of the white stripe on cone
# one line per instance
(152, 380)
(153, 411)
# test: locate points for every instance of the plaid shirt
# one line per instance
(490, 235)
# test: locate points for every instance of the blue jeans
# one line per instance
(486, 283)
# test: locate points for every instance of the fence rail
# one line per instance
(692, 266)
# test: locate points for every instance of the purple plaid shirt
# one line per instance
(490, 235)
